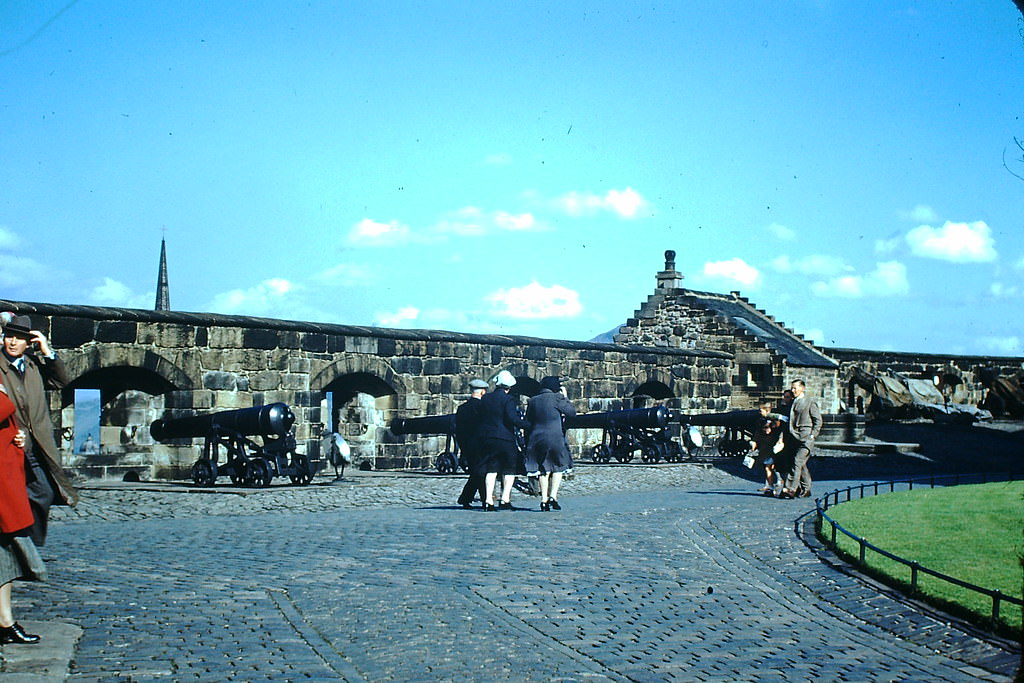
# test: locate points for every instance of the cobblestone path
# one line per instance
(668, 573)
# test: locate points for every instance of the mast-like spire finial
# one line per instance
(163, 291)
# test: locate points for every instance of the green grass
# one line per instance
(974, 533)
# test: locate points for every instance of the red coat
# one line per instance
(15, 513)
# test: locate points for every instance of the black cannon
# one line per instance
(448, 461)
(245, 461)
(739, 427)
(628, 431)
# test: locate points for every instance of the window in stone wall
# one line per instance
(755, 375)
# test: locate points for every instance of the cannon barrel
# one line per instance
(274, 419)
(739, 419)
(433, 424)
(638, 418)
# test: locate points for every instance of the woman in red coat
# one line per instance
(19, 558)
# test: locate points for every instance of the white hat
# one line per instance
(504, 379)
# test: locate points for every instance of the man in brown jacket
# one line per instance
(29, 366)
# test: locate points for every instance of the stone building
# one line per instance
(766, 355)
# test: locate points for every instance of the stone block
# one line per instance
(219, 381)
(407, 365)
(268, 380)
(226, 338)
(68, 332)
(295, 382)
(361, 345)
(231, 400)
(263, 339)
(441, 366)
(116, 331)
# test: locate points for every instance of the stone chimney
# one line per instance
(670, 278)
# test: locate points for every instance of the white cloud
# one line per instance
(118, 295)
(345, 275)
(271, 297)
(815, 264)
(21, 271)
(888, 279)
(1000, 290)
(515, 222)
(888, 245)
(9, 240)
(957, 242)
(1003, 346)
(626, 203)
(736, 270)
(536, 301)
(397, 318)
(920, 214)
(782, 232)
(1019, 264)
(375, 234)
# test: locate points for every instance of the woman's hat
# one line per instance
(504, 379)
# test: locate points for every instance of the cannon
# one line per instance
(245, 461)
(628, 431)
(739, 428)
(448, 461)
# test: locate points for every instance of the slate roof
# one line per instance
(798, 351)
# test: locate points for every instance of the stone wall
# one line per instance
(150, 364)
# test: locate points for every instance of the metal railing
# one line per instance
(916, 569)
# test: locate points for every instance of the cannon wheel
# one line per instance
(673, 451)
(624, 454)
(236, 470)
(202, 473)
(447, 464)
(257, 472)
(300, 466)
(650, 453)
(602, 453)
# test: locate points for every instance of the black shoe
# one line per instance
(544, 507)
(16, 634)
(489, 508)
(465, 506)
(554, 504)
(504, 506)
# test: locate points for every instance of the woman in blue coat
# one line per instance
(547, 453)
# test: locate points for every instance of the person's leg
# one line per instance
(6, 612)
(799, 464)
(507, 482)
(490, 479)
(556, 482)
(543, 481)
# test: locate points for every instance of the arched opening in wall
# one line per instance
(105, 418)
(651, 394)
(360, 406)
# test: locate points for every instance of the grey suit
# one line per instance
(804, 426)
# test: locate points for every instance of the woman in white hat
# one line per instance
(499, 418)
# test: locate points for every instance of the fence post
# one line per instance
(863, 548)
(997, 596)
(833, 534)
(913, 577)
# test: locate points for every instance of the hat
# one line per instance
(477, 384)
(504, 379)
(551, 383)
(19, 326)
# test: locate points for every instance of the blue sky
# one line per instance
(520, 168)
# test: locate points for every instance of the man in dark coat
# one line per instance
(467, 427)
(29, 367)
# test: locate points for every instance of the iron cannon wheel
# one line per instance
(602, 453)
(624, 454)
(447, 464)
(257, 472)
(673, 451)
(650, 453)
(202, 473)
(301, 472)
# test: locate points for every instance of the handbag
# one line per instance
(28, 556)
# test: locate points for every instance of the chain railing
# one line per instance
(916, 569)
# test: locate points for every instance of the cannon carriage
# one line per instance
(245, 461)
(627, 432)
(448, 460)
(737, 431)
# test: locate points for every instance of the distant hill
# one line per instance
(606, 337)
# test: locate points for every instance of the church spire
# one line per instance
(163, 292)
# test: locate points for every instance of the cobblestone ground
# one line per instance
(664, 573)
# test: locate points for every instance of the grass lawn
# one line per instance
(974, 533)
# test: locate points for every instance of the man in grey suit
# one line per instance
(804, 425)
